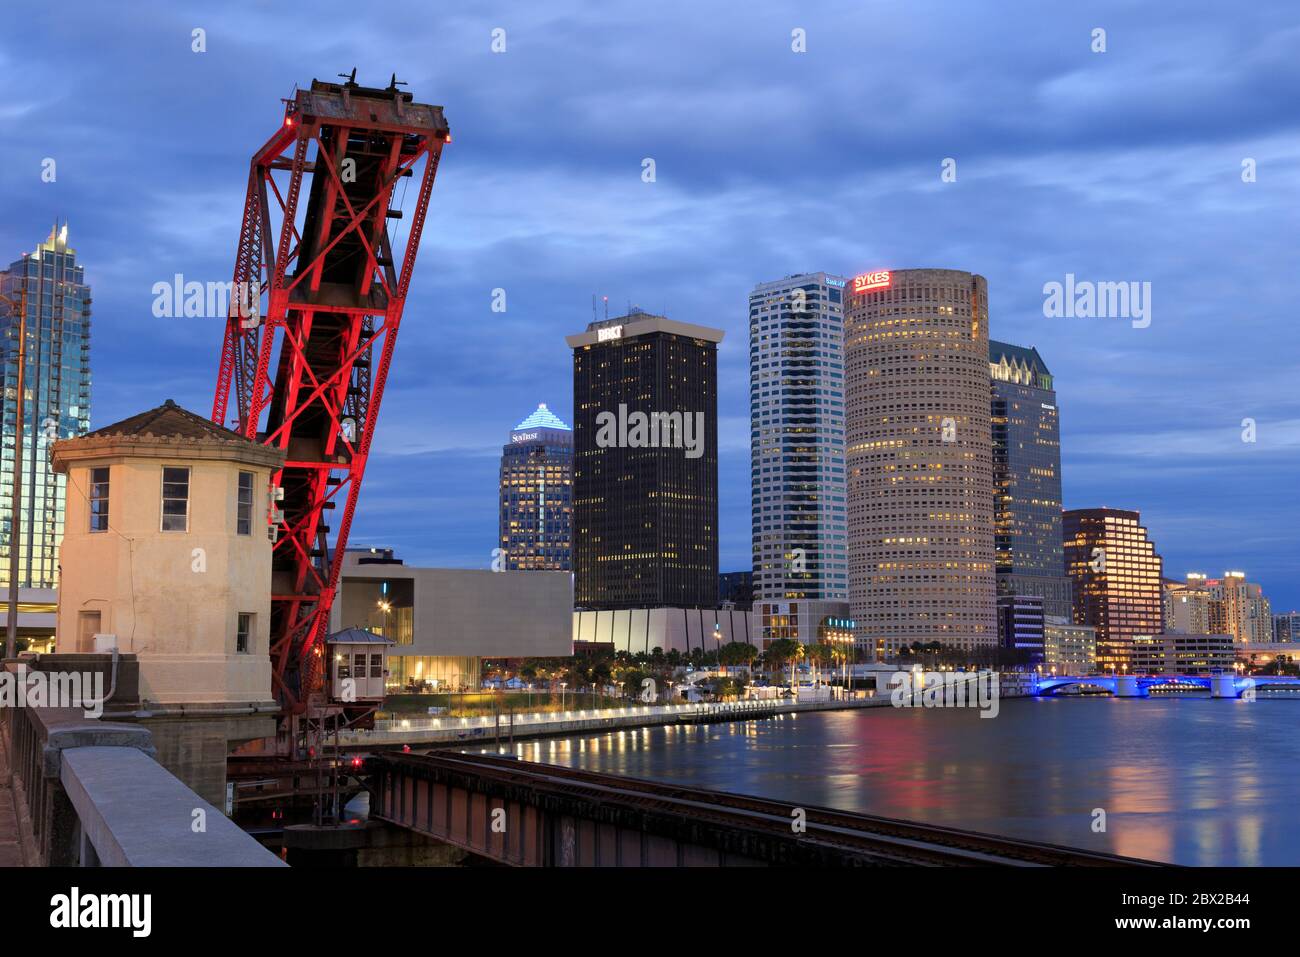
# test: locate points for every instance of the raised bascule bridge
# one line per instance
(327, 245)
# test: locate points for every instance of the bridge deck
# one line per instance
(688, 825)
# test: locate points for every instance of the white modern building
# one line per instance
(445, 621)
(796, 402)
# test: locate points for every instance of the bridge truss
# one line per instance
(317, 301)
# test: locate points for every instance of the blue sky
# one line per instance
(1122, 165)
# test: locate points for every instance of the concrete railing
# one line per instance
(96, 796)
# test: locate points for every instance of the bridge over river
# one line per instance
(523, 814)
(1141, 686)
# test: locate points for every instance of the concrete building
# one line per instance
(1256, 656)
(57, 386)
(1027, 478)
(645, 474)
(1286, 627)
(797, 472)
(445, 621)
(920, 482)
(642, 630)
(1169, 654)
(166, 548)
(1187, 605)
(1069, 649)
(1117, 579)
(1239, 608)
(167, 559)
(536, 482)
(805, 621)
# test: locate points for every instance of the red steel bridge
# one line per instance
(322, 272)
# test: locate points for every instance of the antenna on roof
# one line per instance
(351, 78)
(394, 83)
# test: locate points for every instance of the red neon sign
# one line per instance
(871, 280)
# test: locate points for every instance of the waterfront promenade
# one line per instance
(507, 726)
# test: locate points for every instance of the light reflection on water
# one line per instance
(1191, 781)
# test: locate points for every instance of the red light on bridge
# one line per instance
(872, 280)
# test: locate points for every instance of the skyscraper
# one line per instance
(537, 494)
(920, 482)
(645, 471)
(1027, 478)
(797, 478)
(1239, 608)
(57, 403)
(1116, 577)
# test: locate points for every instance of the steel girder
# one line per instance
(309, 342)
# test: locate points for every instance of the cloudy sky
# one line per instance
(1123, 165)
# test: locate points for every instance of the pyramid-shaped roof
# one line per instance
(169, 421)
(542, 418)
(167, 431)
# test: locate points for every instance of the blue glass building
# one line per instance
(1027, 478)
(56, 401)
(537, 495)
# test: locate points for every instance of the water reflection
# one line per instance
(1191, 781)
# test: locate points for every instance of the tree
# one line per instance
(737, 653)
(784, 650)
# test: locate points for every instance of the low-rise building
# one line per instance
(1068, 648)
(1178, 654)
(1254, 656)
(445, 621)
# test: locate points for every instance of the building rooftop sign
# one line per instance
(872, 280)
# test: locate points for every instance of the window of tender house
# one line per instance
(175, 499)
(243, 633)
(244, 518)
(99, 500)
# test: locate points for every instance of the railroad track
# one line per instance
(868, 838)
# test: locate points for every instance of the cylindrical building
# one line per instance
(920, 463)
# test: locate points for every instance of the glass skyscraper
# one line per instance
(56, 404)
(797, 477)
(537, 494)
(1027, 479)
(1116, 577)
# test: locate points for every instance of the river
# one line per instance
(1193, 780)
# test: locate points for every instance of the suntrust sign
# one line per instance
(871, 280)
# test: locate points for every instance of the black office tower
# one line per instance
(645, 470)
(1027, 478)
